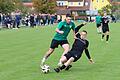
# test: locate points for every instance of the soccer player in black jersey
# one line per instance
(105, 27)
(80, 44)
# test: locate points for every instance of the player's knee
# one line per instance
(63, 59)
(66, 48)
(72, 59)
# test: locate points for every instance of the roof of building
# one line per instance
(28, 4)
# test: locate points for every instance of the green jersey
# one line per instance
(98, 19)
(64, 26)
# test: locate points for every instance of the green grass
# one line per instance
(21, 51)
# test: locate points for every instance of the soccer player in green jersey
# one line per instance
(60, 38)
(98, 23)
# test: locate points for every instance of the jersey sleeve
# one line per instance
(87, 44)
(107, 20)
(60, 25)
(73, 26)
(78, 27)
(87, 51)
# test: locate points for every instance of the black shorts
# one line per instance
(75, 54)
(98, 25)
(56, 43)
(104, 30)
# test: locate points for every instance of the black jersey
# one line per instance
(79, 44)
(78, 47)
(105, 22)
(105, 26)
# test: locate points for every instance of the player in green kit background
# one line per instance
(98, 23)
(60, 38)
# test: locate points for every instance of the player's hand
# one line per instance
(75, 37)
(61, 32)
(91, 61)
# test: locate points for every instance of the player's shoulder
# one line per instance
(61, 23)
(86, 41)
(72, 23)
(97, 16)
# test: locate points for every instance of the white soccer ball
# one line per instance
(45, 69)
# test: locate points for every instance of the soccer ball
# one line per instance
(45, 69)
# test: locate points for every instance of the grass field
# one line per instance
(21, 51)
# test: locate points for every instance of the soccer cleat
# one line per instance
(68, 67)
(57, 70)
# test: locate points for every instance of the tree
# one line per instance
(110, 9)
(51, 6)
(19, 6)
(8, 6)
(5, 8)
(44, 6)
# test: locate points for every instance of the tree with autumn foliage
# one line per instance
(44, 6)
(6, 6)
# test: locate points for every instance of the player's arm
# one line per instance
(60, 25)
(78, 27)
(107, 20)
(87, 53)
(73, 28)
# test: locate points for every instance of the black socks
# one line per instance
(107, 37)
(103, 36)
(62, 67)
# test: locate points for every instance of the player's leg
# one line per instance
(66, 49)
(69, 61)
(48, 53)
(66, 64)
(103, 34)
(63, 59)
(97, 28)
(100, 29)
(107, 36)
(54, 44)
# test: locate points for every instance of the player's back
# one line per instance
(105, 21)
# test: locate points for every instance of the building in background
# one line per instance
(99, 4)
(115, 2)
(77, 8)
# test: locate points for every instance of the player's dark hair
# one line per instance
(68, 15)
(84, 31)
